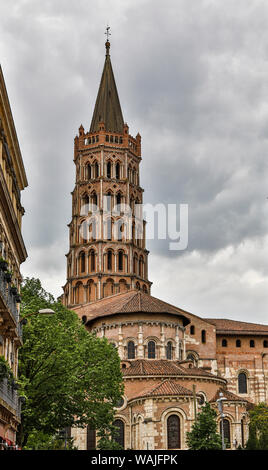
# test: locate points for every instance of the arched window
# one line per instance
(192, 330)
(92, 261)
(173, 432)
(252, 343)
(109, 260)
(265, 343)
(138, 286)
(135, 264)
(85, 205)
(96, 169)
(131, 350)
(203, 336)
(118, 199)
(224, 343)
(117, 171)
(169, 350)
(151, 350)
(120, 260)
(91, 438)
(226, 432)
(238, 343)
(107, 226)
(108, 201)
(82, 262)
(94, 199)
(88, 171)
(120, 432)
(141, 266)
(109, 170)
(242, 383)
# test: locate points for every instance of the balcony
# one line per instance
(8, 299)
(10, 397)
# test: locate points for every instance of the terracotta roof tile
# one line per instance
(167, 387)
(129, 302)
(224, 326)
(165, 367)
(228, 395)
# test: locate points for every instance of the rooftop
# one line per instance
(128, 302)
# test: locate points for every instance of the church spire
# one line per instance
(107, 107)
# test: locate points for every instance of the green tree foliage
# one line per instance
(68, 376)
(204, 435)
(258, 428)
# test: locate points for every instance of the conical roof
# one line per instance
(107, 107)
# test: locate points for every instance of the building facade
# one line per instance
(12, 253)
(172, 361)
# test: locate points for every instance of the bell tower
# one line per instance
(107, 252)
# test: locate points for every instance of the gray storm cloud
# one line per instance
(192, 79)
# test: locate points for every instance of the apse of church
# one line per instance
(107, 252)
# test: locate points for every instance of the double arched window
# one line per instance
(242, 383)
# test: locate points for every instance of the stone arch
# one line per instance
(182, 419)
(108, 287)
(79, 293)
(91, 291)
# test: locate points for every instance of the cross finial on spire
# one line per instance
(107, 32)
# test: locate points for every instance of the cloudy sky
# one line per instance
(192, 78)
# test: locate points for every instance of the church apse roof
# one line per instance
(129, 302)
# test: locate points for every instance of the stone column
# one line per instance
(120, 343)
(140, 349)
(162, 341)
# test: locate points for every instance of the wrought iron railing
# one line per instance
(10, 396)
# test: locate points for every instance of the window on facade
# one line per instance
(120, 260)
(96, 170)
(88, 171)
(238, 343)
(203, 336)
(92, 261)
(118, 199)
(265, 343)
(192, 330)
(108, 202)
(94, 201)
(224, 343)
(242, 383)
(169, 350)
(117, 171)
(252, 343)
(226, 432)
(151, 350)
(120, 434)
(109, 259)
(131, 350)
(82, 262)
(173, 432)
(109, 170)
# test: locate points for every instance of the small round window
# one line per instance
(120, 403)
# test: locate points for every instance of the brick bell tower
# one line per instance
(107, 252)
